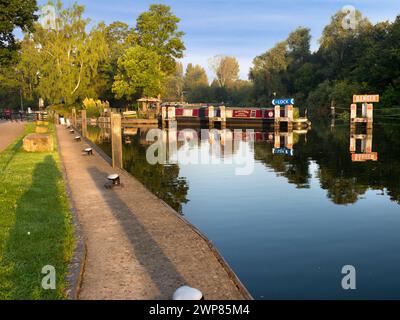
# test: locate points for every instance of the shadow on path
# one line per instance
(149, 254)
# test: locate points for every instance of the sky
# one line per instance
(240, 28)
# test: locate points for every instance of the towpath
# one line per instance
(137, 246)
(9, 131)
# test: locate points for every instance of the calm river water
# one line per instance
(297, 215)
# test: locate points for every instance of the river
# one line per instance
(301, 209)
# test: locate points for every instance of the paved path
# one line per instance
(137, 247)
(9, 131)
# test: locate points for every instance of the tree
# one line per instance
(298, 44)
(174, 84)
(157, 29)
(226, 69)
(67, 57)
(266, 73)
(138, 74)
(119, 37)
(14, 14)
(337, 43)
(195, 83)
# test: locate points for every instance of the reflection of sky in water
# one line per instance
(285, 242)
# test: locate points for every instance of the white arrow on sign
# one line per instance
(283, 102)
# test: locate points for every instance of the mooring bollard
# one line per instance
(115, 181)
(88, 151)
(116, 140)
(187, 293)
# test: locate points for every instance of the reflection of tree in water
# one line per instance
(295, 169)
(101, 137)
(162, 180)
(341, 190)
(344, 180)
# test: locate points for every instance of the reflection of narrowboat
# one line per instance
(195, 115)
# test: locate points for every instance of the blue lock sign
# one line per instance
(283, 102)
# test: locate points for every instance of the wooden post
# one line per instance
(74, 117)
(370, 115)
(56, 118)
(116, 140)
(368, 143)
(84, 123)
(158, 106)
(277, 139)
(170, 116)
(289, 140)
(223, 116)
(277, 116)
(211, 116)
(163, 116)
(352, 139)
(353, 112)
(289, 114)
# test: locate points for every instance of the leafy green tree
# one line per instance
(337, 42)
(174, 85)
(138, 74)
(119, 37)
(266, 73)
(14, 14)
(67, 57)
(195, 83)
(157, 29)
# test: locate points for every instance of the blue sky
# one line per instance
(241, 28)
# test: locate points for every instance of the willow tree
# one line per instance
(69, 56)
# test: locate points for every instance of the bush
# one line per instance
(94, 108)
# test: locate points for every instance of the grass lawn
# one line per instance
(35, 223)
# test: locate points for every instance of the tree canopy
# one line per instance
(362, 59)
(139, 74)
(14, 14)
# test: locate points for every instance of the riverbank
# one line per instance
(35, 222)
(137, 246)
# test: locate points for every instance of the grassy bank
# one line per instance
(35, 223)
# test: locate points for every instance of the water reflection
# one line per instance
(307, 210)
(345, 176)
(361, 145)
